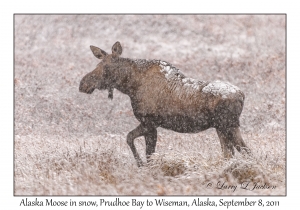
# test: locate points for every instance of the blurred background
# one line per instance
(54, 124)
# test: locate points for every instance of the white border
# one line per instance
(8, 8)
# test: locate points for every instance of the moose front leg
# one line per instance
(137, 132)
(151, 139)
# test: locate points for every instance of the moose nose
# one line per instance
(82, 87)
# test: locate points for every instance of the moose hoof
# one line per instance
(228, 156)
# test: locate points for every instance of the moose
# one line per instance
(162, 96)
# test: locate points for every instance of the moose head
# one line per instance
(99, 78)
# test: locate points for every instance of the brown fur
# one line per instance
(161, 96)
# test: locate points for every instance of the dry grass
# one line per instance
(69, 143)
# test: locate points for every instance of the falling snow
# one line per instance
(70, 143)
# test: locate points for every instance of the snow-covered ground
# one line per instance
(70, 143)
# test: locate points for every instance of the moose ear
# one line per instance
(116, 49)
(98, 53)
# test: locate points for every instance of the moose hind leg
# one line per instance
(230, 137)
(238, 141)
(137, 132)
(225, 136)
(151, 139)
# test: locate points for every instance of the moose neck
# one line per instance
(123, 76)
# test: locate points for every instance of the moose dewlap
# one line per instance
(162, 96)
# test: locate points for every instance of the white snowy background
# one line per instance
(70, 143)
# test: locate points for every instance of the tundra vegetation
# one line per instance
(69, 143)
